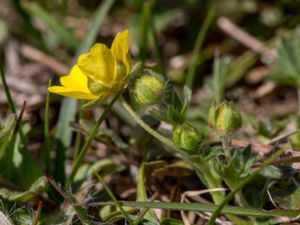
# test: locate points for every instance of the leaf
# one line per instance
(105, 166)
(6, 130)
(177, 169)
(272, 173)
(288, 197)
(287, 61)
(239, 166)
(26, 171)
(111, 214)
(3, 31)
(270, 128)
(282, 78)
(36, 188)
(239, 67)
(255, 194)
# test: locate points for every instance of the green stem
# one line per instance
(226, 148)
(225, 145)
(47, 145)
(10, 102)
(298, 101)
(240, 186)
(91, 136)
(203, 170)
(113, 198)
(79, 136)
(37, 214)
(147, 127)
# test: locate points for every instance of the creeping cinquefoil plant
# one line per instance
(170, 122)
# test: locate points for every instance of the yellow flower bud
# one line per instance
(225, 118)
(148, 90)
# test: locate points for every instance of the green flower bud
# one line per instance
(225, 118)
(148, 90)
(186, 136)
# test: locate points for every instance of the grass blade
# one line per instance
(47, 145)
(200, 207)
(143, 39)
(27, 24)
(56, 26)
(113, 198)
(141, 193)
(197, 47)
(10, 102)
(159, 59)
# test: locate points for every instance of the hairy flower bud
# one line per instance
(186, 136)
(148, 90)
(225, 118)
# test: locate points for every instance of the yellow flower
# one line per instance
(99, 73)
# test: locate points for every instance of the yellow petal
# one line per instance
(68, 92)
(98, 64)
(75, 80)
(119, 49)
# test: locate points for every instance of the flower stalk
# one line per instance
(90, 138)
